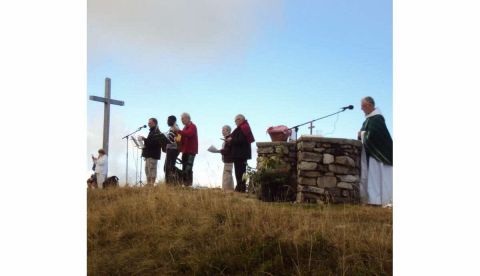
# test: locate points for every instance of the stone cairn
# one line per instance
(285, 151)
(326, 169)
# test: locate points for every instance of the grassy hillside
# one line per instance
(158, 231)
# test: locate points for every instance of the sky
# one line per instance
(276, 62)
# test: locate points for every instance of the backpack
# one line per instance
(111, 182)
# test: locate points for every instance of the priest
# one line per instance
(376, 176)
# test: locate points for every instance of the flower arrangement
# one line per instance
(279, 133)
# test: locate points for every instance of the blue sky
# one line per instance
(278, 63)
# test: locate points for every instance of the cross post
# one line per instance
(106, 111)
(311, 127)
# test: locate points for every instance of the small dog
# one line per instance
(111, 182)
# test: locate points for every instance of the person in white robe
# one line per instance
(101, 167)
(376, 183)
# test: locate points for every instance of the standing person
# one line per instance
(151, 151)
(226, 151)
(171, 149)
(240, 139)
(101, 167)
(189, 147)
(376, 185)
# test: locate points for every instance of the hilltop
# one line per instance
(162, 230)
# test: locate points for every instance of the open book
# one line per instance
(213, 149)
(138, 142)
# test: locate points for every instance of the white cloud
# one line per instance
(150, 31)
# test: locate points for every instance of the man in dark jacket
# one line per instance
(189, 147)
(151, 151)
(240, 139)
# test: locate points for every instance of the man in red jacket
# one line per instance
(189, 147)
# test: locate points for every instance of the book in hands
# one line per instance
(213, 149)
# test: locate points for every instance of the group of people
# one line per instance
(173, 142)
(236, 150)
(376, 186)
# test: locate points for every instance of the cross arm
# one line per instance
(104, 100)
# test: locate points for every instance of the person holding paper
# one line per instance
(226, 151)
(101, 167)
(151, 151)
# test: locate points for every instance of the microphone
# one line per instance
(347, 107)
(144, 126)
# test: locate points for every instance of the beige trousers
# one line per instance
(227, 181)
(151, 170)
(100, 179)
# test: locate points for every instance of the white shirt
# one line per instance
(101, 165)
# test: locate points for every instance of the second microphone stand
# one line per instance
(126, 167)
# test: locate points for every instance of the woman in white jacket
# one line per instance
(101, 167)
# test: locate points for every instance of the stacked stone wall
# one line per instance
(325, 169)
(328, 169)
(284, 151)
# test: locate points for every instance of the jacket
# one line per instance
(226, 152)
(241, 149)
(152, 147)
(189, 139)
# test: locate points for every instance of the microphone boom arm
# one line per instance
(310, 122)
(128, 135)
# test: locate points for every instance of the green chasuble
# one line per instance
(377, 140)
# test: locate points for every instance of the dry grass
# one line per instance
(159, 231)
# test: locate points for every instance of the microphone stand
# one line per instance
(138, 181)
(311, 122)
(126, 137)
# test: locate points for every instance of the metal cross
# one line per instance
(106, 111)
(311, 127)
